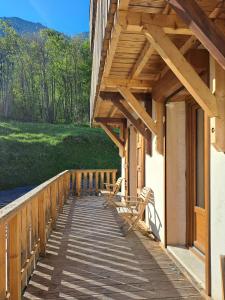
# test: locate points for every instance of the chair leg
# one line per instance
(123, 224)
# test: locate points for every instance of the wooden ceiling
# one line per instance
(131, 60)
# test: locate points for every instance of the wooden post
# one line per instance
(85, 182)
(24, 236)
(90, 182)
(60, 195)
(102, 180)
(42, 223)
(96, 181)
(78, 183)
(15, 257)
(113, 177)
(53, 206)
(2, 261)
(108, 177)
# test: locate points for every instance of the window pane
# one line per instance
(200, 201)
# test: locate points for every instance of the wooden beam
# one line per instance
(171, 24)
(138, 109)
(199, 59)
(217, 86)
(112, 49)
(142, 60)
(116, 96)
(137, 123)
(110, 120)
(204, 29)
(135, 84)
(182, 69)
(116, 140)
(15, 257)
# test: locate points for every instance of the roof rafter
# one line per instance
(146, 53)
(204, 29)
(182, 69)
(140, 111)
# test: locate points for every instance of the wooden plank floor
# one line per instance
(89, 258)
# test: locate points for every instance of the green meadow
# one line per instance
(30, 153)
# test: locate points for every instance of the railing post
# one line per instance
(2, 261)
(53, 204)
(42, 223)
(78, 183)
(90, 182)
(60, 195)
(108, 177)
(96, 181)
(114, 177)
(102, 180)
(15, 257)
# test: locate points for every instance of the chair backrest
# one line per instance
(117, 185)
(146, 196)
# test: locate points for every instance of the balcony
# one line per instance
(56, 245)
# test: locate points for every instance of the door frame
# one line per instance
(190, 105)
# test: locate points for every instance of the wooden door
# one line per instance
(140, 162)
(196, 185)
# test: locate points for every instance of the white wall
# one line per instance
(123, 174)
(217, 219)
(175, 173)
(133, 162)
(155, 179)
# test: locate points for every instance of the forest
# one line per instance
(44, 77)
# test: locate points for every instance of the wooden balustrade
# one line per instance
(91, 181)
(25, 225)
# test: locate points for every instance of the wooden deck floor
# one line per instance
(89, 258)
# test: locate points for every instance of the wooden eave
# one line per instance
(124, 61)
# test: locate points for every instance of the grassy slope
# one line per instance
(31, 153)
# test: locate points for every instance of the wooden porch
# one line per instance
(88, 257)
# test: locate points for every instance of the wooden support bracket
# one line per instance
(113, 136)
(132, 101)
(217, 86)
(204, 29)
(182, 69)
(137, 123)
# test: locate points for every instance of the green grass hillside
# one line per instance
(31, 153)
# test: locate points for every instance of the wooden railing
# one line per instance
(222, 260)
(24, 228)
(91, 181)
(25, 224)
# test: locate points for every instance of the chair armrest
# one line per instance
(109, 184)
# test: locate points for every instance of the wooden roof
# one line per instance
(130, 60)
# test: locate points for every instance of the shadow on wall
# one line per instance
(154, 220)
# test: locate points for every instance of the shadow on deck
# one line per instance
(88, 257)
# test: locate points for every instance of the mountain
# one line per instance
(23, 27)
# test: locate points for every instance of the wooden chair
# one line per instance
(135, 207)
(111, 191)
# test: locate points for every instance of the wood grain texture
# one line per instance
(88, 257)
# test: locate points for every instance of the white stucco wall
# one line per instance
(133, 162)
(175, 173)
(155, 179)
(123, 174)
(217, 219)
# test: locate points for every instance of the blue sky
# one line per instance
(67, 16)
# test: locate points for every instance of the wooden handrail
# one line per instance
(91, 181)
(24, 228)
(25, 224)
